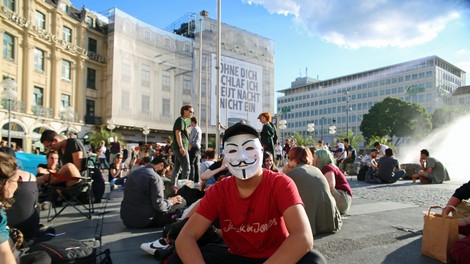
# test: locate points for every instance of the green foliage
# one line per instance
(445, 115)
(102, 133)
(397, 119)
(381, 139)
(354, 139)
(300, 141)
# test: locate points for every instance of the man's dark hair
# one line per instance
(48, 135)
(346, 140)
(425, 152)
(389, 152)
(194, 120)
(185, 107)
(210, 153)
(376, 144)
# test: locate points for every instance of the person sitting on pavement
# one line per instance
(368, 165)
(433, 171)
(381, 148)
(388, 169)
(460, 250)
(268, 162)
(350, 155)
(217, 171)
(340, 154)
(10, 179)
(260, 212)
(73, 158)
(117, 173)
(144, 204)
(320, 204)
(338, 183)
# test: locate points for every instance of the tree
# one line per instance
(354, 139)
(397, 119)
(300, 141)
(102, 133)
(445, 115)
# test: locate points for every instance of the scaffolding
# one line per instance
(184, 26)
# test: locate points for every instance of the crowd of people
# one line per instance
(261, 200)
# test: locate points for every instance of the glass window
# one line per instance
(66, 70)
(89, 21)
(8, 46)
(126, 71)
(125, 100)
(67, 34)
(63, 7)
(90, 108)
(10, 4)
(38, 60)
(92, 45)
(65, 100)
(166, 107)
(167, 42)
(40, 20)
(91, 78)
(145, 75)
(147, 35)
(166, 80)
(38, 93)
(145, 104)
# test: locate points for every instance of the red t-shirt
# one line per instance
(252, 227)
(341, 181)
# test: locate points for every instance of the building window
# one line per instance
(92, 45)
(38, 96)
(8, 46)
(166, 80)
(66, 70)
(63, 7)
(145, 104)
(90, 108)
(166, 107)
(67, 34)
(125, 100)
(167, 42)
(39, 60)
(147, 35)
(40, 20)
(145, 75)
(91, 78)
(126, 71)
(187, 84)
(89, 21)
(10, 4)
(65, 100)
(186, 47)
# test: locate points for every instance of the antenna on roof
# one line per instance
(300, 73)
(306, 70)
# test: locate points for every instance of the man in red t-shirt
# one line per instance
(260, 212)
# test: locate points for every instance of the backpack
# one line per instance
(98, 185)
(66, 250)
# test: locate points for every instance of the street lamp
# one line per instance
(9, 93)
(310, 127)
(217, 67)
(203, 14)
(282, 126)
(68, 115)
(146, 131)
(347, 114)
(332, 129)
(322, 121)
(111, 126)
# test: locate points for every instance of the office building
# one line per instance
(342, 101)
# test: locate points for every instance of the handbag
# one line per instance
(66, 250)
(439, 233)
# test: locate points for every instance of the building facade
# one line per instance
(55, 53)
(343, 101)
(75, 70)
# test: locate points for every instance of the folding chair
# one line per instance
(78, 196)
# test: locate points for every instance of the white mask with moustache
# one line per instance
(243, 155)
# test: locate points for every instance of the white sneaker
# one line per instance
(151, 247)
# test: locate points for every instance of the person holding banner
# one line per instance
(268, 133)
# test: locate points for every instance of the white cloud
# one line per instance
(463, 51)
(464, 65)
(370, 23)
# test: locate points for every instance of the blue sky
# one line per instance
(329, 38)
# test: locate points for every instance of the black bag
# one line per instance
(98, 185)
(190, 195)
(66, 250)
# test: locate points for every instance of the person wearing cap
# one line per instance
(260, 212)
(144, 204)
(267, 133)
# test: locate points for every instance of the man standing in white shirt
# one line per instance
(381, 148)
(194, 149)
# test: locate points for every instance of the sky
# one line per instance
(325, 39)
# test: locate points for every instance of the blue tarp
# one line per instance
(29, 162)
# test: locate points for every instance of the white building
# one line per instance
(344, 100)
